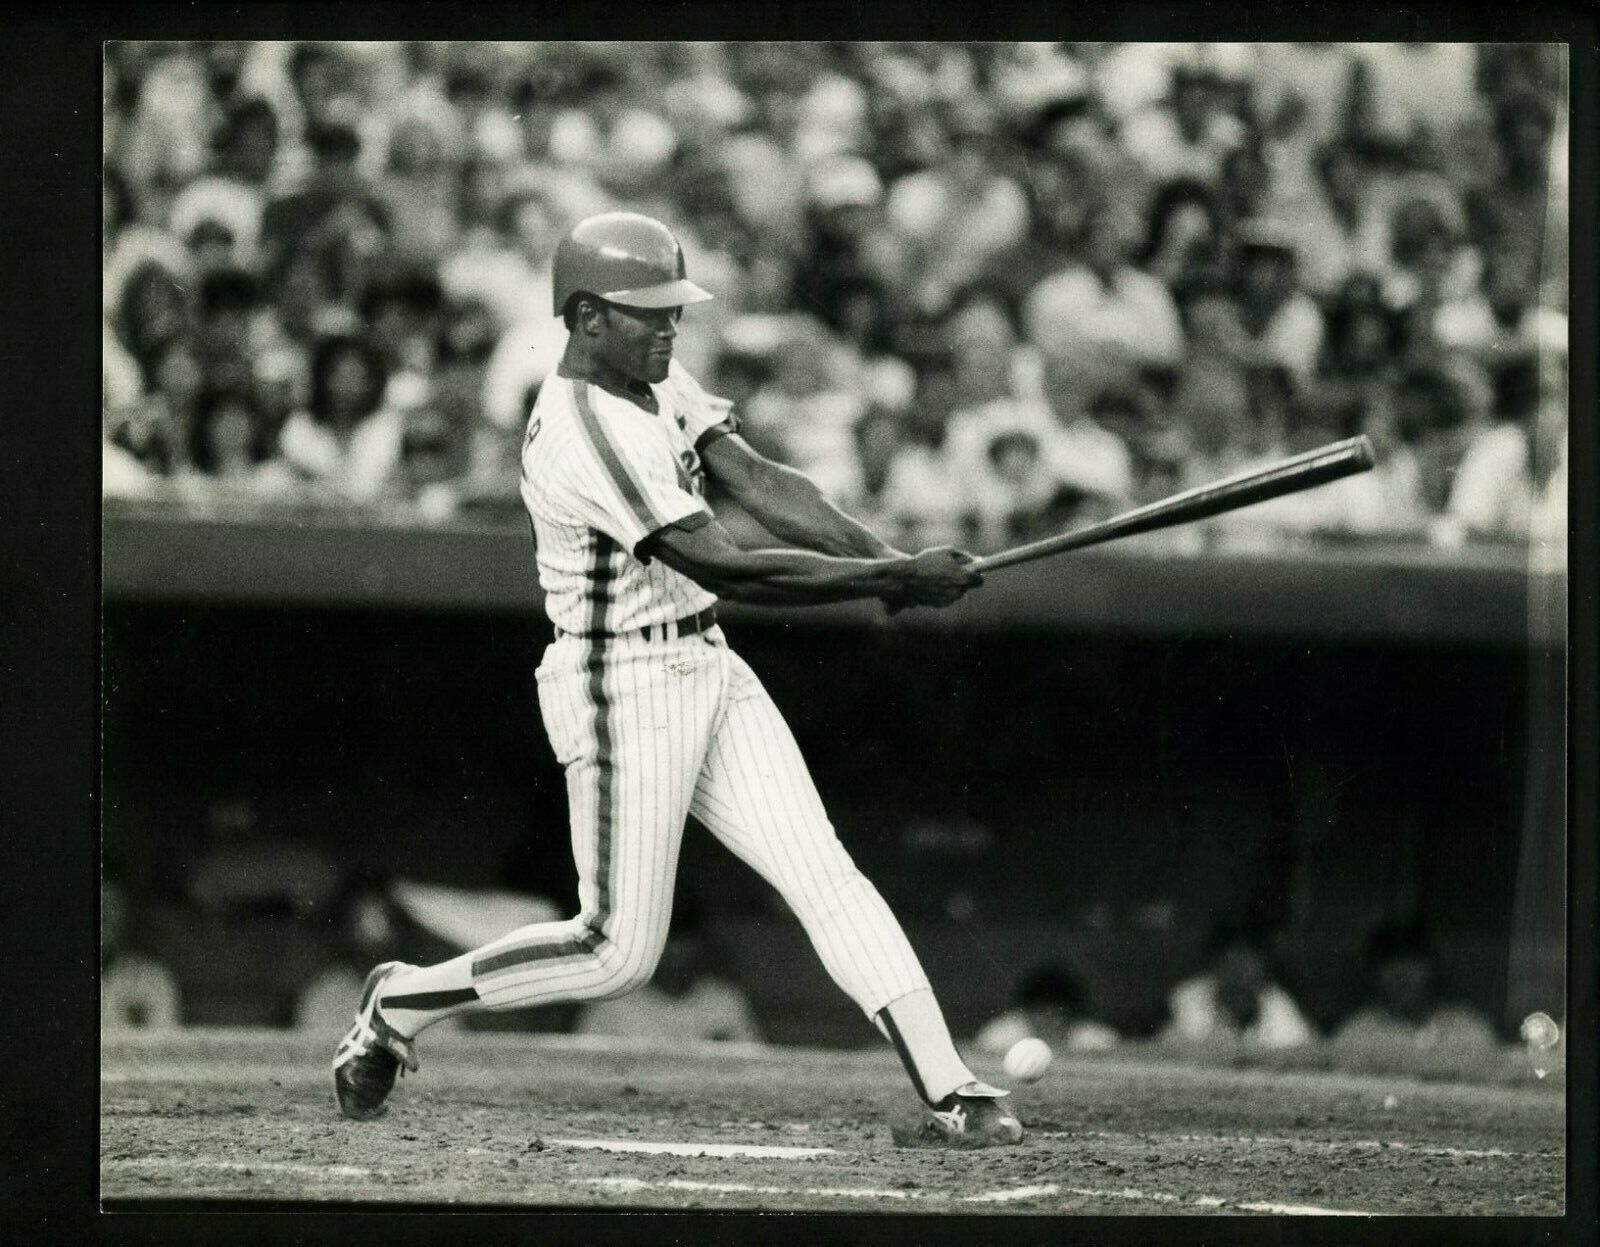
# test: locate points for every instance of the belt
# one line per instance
(689, 625)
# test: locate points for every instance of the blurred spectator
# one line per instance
(1246, 182)
(878, 435)
(335, 216)
(1411, 100)
(687, 998)
(511, 275)
(1301, 92)
(1362, 340)
(1016, 489)
(1088, 460)
(803, 414)
(851, 247)
(419, 191)
(1211, 404)
(1050, 1004)
(136, 991)
(1189, 134)
(611, 135)
(1102, 310)
(1508, 206)
(401, 312)
(1502, 326)
(234, 448)
(167, 143)
(1236, 1000)
(1185, 235)
(153, 311)
(1063, 189)
(345, 442)
(1404, 1015)
(925, 500)
(158, 429)
(953, 218)
(1282, 326)
(1339, 221)
(229, 300)
(1430, 265)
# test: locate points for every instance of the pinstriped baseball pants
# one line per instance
(650, 732)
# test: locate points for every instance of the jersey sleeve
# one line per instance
(706, 417)
(625, 481)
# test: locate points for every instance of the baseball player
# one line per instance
(650, 713)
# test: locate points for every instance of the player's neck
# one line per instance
(580, 365)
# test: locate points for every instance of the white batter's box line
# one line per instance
(761, 1151)
(1331, 1145)
(1003, 1195)
(242, 1166)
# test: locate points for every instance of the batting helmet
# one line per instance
(624, 258)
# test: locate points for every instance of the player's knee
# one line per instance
(633, 966)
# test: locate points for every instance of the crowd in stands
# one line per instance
(977, 290)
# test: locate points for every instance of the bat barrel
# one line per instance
(1302, 471)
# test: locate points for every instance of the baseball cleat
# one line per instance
(371, 1054)
(972, 1115)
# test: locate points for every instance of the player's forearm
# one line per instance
(789, 505)
(801, 578)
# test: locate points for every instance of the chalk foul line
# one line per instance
(1002, 1195)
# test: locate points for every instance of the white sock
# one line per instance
(915, 1025)
(418, 997)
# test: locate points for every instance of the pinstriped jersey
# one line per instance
(600, 474)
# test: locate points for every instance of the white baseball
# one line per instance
(1028, 1060)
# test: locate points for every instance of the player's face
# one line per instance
(638, 341)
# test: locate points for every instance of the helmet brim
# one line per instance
(667, 294)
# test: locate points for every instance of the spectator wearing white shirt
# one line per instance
(1282, 325)
(1236, 1000)
(1190, 134)
(1406, 1016)
(954, 218)
(1338, 217)
(345, 444)
(234, 451)
(1103, 307)
(1088, 460)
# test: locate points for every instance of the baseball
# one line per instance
(1028, 1060)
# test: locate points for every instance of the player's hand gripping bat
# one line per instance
(1302, 471)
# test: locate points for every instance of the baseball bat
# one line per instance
(1302, 471)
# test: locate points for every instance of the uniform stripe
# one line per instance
(620, 476)
(431, 1000)
(605, 548)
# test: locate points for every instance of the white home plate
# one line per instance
(758, 1150)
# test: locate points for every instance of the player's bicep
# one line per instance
(737, 466)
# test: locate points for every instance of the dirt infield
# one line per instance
(539, 1121)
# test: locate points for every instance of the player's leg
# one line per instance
(756, 795)
(631, 744)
